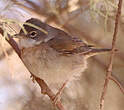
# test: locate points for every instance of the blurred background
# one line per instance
(92, 21)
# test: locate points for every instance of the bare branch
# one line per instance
(109, 70)
(46, 90)
(117, 82)
(44, 87)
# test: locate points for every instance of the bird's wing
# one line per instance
(64, 43)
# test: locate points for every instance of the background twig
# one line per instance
(109, 70)
(118, 83)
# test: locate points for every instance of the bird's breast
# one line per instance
(51, 66)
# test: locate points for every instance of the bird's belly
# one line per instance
(53, 67)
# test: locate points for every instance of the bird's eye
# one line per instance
(33, 34)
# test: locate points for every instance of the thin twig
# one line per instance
(109, 70)
(71, 29)
(117, 82)
(112, 77)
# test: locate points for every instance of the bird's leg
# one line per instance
(58, 94)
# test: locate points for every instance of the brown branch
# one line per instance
(109, 70)
(46, 90)
(112, 77)
(44, 87)
(117, 82)
(75, 31)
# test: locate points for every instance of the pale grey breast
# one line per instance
(52, 66)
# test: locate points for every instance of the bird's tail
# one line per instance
(95, 51)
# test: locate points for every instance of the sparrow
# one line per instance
(52, 54)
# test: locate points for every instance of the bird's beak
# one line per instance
(94, 51)
(19, 36)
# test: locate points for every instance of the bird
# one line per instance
(52, 54)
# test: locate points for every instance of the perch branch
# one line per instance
(109, 70)
(44, 87)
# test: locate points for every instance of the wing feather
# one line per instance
(64, 43)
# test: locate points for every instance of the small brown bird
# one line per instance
(53, 55)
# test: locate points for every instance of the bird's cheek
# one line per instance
(26, 43)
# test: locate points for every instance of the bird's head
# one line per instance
(36, 33)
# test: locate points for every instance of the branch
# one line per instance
(117, 82)
(72, 29)
(46, 90)
(109, 70)
(112, 77)
(44, 87)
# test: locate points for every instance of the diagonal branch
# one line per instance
(109, 70)
(44, 87)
